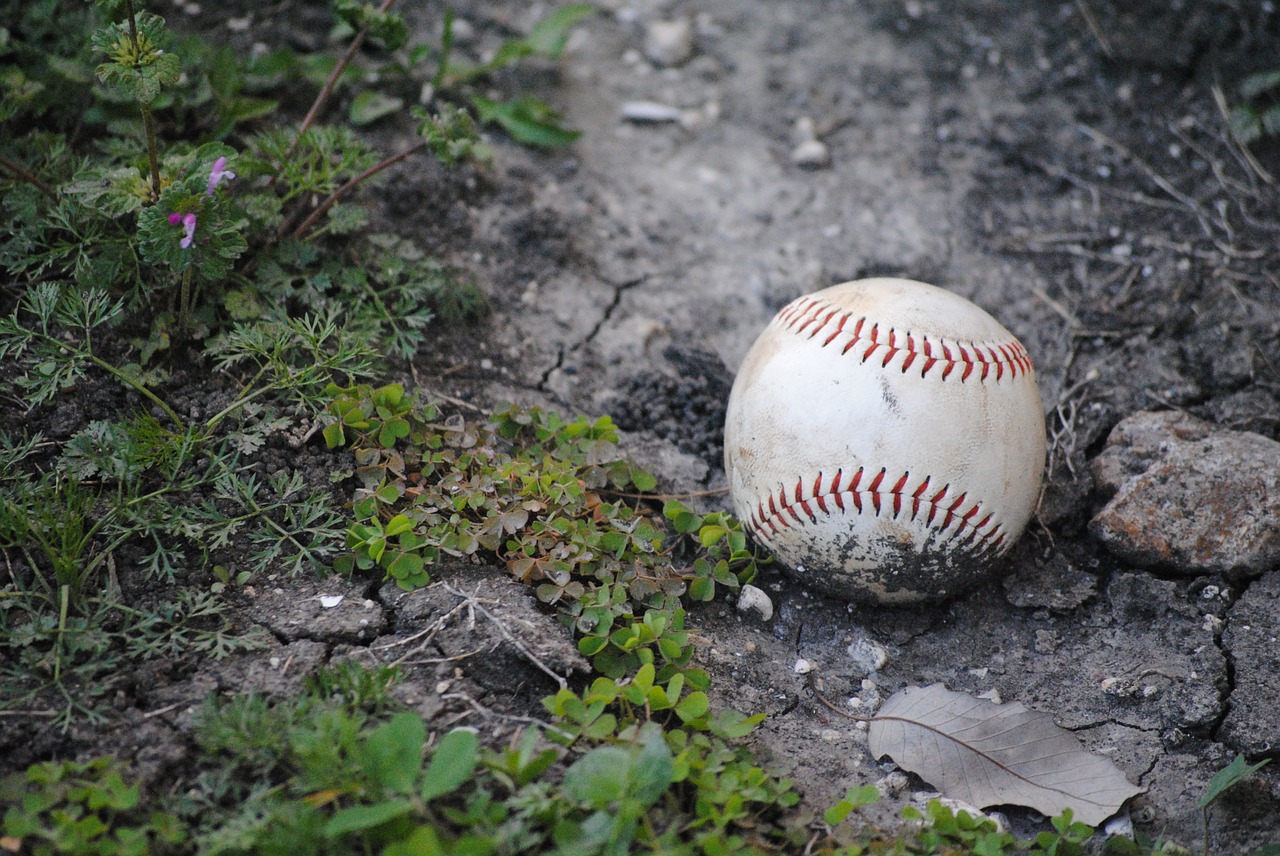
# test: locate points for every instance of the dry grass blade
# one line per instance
(996, 754)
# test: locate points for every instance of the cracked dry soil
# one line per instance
(1064, 165)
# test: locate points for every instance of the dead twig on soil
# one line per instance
(429, 632)
(434, 661)
(1092, 23)
(510, 637)
(811, 682)
(1220, 100)
(489, 713)
(1159, 180)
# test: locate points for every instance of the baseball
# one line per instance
(885, 440)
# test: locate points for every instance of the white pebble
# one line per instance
(464, 32)
(1121, 825)
(329, 601)
(668, 43)
(650, 111)
(802, 667)
(805, 130)
(752, 599)
(811, 154)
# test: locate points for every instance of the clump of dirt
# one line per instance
(684, 405)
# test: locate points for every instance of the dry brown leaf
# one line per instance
(996, 754)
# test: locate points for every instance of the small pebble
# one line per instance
(650, 111)
(802, 667)
(811, 154)
(329, 601)
(464, 32)
(1121, 825)
(867, 655)
(752, 599)
(668, 43)
(892, 784)
(805, 130)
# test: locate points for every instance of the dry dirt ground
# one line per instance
(1062, 164)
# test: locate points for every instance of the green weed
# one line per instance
(548, 498)
(81, 810)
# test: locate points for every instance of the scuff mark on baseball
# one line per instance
(885, 440)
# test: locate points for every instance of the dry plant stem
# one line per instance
(502, 628)
(184, 301)
(665, 496)
(1093, 27)
(813, 688)
(27, 176)
(327, 89)
(342, 191)
(1220, 101)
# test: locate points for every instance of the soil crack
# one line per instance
(619, 289)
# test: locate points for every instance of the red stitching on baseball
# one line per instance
(973, 529)
(808, 317)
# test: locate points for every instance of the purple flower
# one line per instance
(188, 226)
(217, 174)
(175, 218)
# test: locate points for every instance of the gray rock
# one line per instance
(754, 600)
(1189, 497)
(1253, 628)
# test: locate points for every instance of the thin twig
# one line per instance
(520, 646)
(1159, 180)
(29, 177)
(325, 91)
(813, 688)
(665, 496)
(488, 713)
(1221, 101)
(159, 712)
(351, 185)
(434, 661)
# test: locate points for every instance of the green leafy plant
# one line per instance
(81, 809)
(535, 490)
(1258, 113)
(1224, 780)
(203, 232)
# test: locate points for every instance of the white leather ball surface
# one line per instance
(885, 440)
